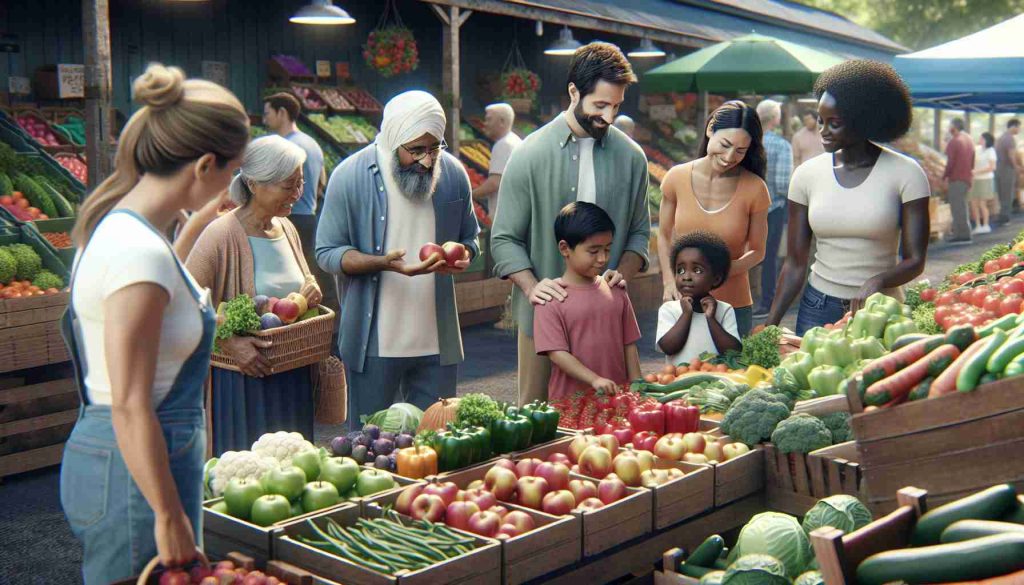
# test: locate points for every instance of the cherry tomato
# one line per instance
(1010, 305)
(992, 266)
(928, 295)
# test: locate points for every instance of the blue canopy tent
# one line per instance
(982, 72)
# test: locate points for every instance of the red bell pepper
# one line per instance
(648, 418)
(645, 440)
(681, 417)
(623, 430)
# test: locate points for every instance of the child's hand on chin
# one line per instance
(708, 304)
(687, 305)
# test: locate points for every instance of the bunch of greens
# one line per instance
(913, 293)
(924, 318)
(239, 318)
(762, 348)
(477, 410)
(733, 359)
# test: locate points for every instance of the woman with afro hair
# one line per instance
(864, 204)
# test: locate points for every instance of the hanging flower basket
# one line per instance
(391, 51)
(519, 84)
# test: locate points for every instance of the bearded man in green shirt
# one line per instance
(578, 156)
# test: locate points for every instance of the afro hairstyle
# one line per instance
(871, 97)
(712, 247)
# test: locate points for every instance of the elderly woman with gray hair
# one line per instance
(255, 250)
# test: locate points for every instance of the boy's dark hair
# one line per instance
(598, 61)
(714, 249)
(1013, 123)
(736, 114)
(285, 101)
(990, 140)
(871, 97)
(580, 220)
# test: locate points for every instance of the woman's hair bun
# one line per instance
(159, 87)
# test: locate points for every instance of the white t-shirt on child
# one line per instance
(700, 339)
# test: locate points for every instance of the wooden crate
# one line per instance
(920, 443)
(30, 334)
(794, 482)
(35, 420)
(684, 497)
(839, 554)
(480, 566)
(739, 477)
(669, 573)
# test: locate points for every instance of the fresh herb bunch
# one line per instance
(913, 299)
(924, 318)
(239, 318)
(477, 410)
(762, 348)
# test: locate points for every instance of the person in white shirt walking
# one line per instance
(498, 127)
(983, 191)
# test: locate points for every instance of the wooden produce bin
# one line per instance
(554, 544)
(951, 445)
(739, 477)
(30, 333)
(35, 421)
(794, 482)
(480, 566)
(669, 573)
(223, 534)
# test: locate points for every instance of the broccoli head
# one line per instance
(29, 263)
(838, 424)
(8, 266)
(801, 433)
(753, 416)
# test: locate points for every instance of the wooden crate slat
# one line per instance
(39, 422)
(29, 460)
(35, 391)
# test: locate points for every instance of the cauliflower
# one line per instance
(282, 446)
(752, 417)
(240, 464)
(801, 433)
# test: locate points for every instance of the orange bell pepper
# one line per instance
(417, 462)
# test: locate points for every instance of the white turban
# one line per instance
(408, 116)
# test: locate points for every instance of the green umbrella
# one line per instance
(751, 63)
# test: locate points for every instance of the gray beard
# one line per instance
(415, 185)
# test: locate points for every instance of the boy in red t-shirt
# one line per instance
(591, 336)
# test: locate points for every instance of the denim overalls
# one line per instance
(104, 506)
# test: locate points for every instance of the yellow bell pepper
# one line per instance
(756, 374)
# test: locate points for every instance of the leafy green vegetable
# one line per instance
(28, 261)
(810, 578)
(712, 578)
(46, 279)
(756, 569)
(844, 512)
(801, 433)
(731, 358)
(762, 348)
(239, 318)
(477, 410)
(709, 398)
(924, 318)
(778, 535)
(913, 293)
(8, 266)
(752, 417)
(399, 417)
(838, 424)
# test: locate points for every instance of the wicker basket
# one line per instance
(293, 346)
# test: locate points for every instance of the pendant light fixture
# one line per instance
(565, 45)
(647, 48)
(321, 12)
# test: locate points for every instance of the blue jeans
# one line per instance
(818, 309)
(744, 320)
(770, 265)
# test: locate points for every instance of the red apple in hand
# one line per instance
(557, 475)
(286, 310)
(429, 249)
(484, 523)
(582, 490)
(453, 252)
(611, 489)
(428, 507)
(532, 491)
(558, 503)
(527, 467)
(459, 513)
(501, 482)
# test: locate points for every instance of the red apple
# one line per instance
(579, 444)
(507, 531)
(476, 483)
(596, 461)
(254, 578)
(483, 498)
(404, 502)
(560, 458)
(532, 491)
(521, 520)
(428, 507)
(453, 252)
(670, 446)
(460, 496)
(558, 503)
(429, 249)
(527, 467)
(557, 475)
(271, 302)
(459, 513)
(506, 463)
(734, 450)
(713, 451)
(199, 572)
(646, 459)
(484, 523)
(694, 442)
(610, 442)
(575, 469)
(611, 489)
(286, 310)
(499, 510)
(447, 490)
(581, 490)
(695, 458)
(627, 466)
(501, 482)
(589, 505)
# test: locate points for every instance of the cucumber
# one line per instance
(990, 504)
(980, 558)
(961, 336)
(969, 377)
(695, 571)
(1002, 357)
(1004, 323)
(64, 208)
(1016, 514)
(921, 390)
(967, 529)
(672, 396)
(708, 551)
(721, 564)
(905, 340)
(684, 384)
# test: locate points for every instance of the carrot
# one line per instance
(706, 367)
(946, 382)
(886, 366)
(695, 364)
(721, 368)
(897, 387)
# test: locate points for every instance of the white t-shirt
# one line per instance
(586, 186)
(700, 339)
(124, 251)
(984, 158)
(500, 154)
(276, 271)
(857, 230)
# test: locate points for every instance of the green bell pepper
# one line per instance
(800, 364)
(869, 348)
(897, 327)
(454, 450)
(512, 433)
(835, 351)
(825, 379)
(868, 323)
(544, 418)
(481, 441)
(813, 338)
(880, 303)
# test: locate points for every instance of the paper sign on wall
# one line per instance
(18, 85)
(70, 80)
(323, 68)
(216, 71)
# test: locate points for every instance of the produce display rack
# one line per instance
(795, 481)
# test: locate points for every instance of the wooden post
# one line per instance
(452, 20)
(992, 123)
(937, 130)
(967, 122)
(96, 33)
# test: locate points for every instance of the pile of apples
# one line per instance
(475, 510)
(691, 447)
(39, 130)
(275, 312)
(310, 100)
(600, 456)
(452, 252)
(76, 166)
(222, 573)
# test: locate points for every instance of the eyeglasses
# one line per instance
(418, 153)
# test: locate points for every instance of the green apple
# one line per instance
(341, 471)
(271, 509)
(350, 494)
(309, 462)
(288, 482)
(221, 507)
(371, 481)
(319, 495)
(297, 508)
(240, 495)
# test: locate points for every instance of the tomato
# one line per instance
(978, 320)
(1008, 260)
(992, 266)
(965, 277)
(668, 369)
(928, 295)
(944, 311)
(946, 298)
(22, 203)
(6, 200)
(1012, 286)
(991, 303)
(1010, 305)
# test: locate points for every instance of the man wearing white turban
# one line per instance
(400, 338)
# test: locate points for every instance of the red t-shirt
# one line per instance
(595, 323)
(960, 159)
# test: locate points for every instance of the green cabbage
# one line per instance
(712, 578)
(778, 535)
(810, 578)
(399, 417)
(844, 512)
(756, 569)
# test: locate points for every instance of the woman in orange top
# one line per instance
(722, 192)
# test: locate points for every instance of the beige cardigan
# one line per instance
(222, 258)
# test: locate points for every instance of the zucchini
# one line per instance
(1016, 513)
(961, 336)
(980, 558)
(708, 551)
(990, 504)
(695, 571)
(905, 340)
(683, 384)
(921, 390)
(962, 530)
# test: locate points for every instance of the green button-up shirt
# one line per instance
(541, 179)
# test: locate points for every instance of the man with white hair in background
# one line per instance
(498, 120)
(779, 155)
(400, 339)
(626, 124)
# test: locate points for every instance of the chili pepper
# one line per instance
(825, 379)
(835, 351)
(897, 327)
(681, 417)
(416, 462)
(511, 433)
(800, 364)
(650, 417)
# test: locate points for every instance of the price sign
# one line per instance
(323, 68)
(70, 80)
(18, 85)
(216, 71)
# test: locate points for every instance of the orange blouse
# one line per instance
(730, 222)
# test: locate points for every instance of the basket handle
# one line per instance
(155, 562)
